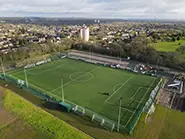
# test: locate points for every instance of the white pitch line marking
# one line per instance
(135, 93)
(118, 89)
(121, 107)
(140, 103)
(76, 79)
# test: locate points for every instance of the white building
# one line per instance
(84, 34)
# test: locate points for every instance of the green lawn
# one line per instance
(174, 126)
(40, 119)
(21, 130)
(84, 85)
(167, 46)
(163, 124)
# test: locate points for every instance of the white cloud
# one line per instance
(94, 8)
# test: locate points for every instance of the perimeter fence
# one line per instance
(80, 110)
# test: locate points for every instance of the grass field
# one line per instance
(163, 124)
(13, 127)
(40, 119)
(167, 46)
(21, 130)
(84, 84)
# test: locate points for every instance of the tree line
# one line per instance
(33, 52)
(139, 50)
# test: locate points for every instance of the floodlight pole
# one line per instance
(119, 114)
(26, 79)
(62, 89)
(2, 66)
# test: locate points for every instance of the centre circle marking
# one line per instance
(81, 75)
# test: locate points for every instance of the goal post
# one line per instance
(20, 82)
(103, 122)
(80, 110)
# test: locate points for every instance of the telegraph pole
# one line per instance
(119, 114)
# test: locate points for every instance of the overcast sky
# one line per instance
(159, 9)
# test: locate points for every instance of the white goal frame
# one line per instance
(102, 122)
(79, 109)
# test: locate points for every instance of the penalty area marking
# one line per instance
(135, 93)
(34, 68)
(114, 88)
(140, 103)
(121, 107)
(33, 73)
(47, 65)
(117, 89)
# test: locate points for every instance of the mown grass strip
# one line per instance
(40, 119)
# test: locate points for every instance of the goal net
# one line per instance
(152, 109)
(103, 122)
(20, 82)
(79, 110)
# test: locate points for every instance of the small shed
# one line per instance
(66, 106)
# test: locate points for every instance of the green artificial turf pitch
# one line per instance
(85, 85)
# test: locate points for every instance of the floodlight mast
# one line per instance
(62, 89)
(119, 114)
(2, 66)
(26, 78)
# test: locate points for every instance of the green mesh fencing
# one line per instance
(96, 118)
(57, 56)
(153, 95)
(11, 80)
(43, 93)
(122, 129)
(145, 107)
(34, 92)
(134, 122)
(2, 77)
(32, 89)
(104, 122)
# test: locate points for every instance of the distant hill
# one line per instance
(54, 21)
(72, 20)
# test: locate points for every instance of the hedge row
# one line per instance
(40, 119)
